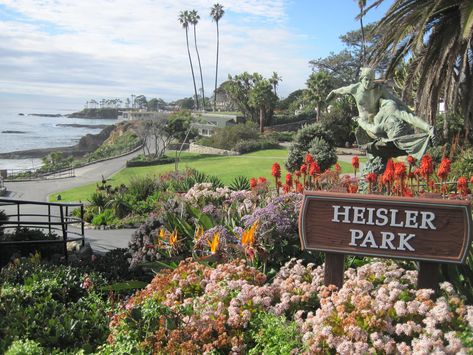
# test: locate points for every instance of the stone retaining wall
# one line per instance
(200, 149)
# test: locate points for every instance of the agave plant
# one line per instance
(240, 183)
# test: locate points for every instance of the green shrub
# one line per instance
(47, 250)
(325, 154)
(274, 335)
(228, 137)
(107, 217)
(142, 186)
(248, 146)
(463, 164)
(284, 136)
(304, 141)
(55, 306)
(25, 347)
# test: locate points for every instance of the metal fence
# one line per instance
(50, 217)
(34, 174)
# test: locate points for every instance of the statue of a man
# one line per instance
(386, 120)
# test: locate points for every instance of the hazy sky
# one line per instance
(74, 50)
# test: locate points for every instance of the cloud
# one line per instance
(118, 47)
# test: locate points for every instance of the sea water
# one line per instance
(40, 132)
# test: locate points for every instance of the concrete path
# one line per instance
(100, 240)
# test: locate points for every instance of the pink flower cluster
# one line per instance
(378, 310)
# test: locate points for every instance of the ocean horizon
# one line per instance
(34, 132)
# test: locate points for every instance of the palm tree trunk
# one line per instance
(318, 112)
(261, 119)
(192, 70)
(363, 48)
(200, 68)
(216, 70)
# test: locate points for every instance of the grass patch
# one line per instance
(226, 168)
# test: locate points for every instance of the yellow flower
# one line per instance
(214, 243)
(248, 236)
(162, 233)
(199, 233)
(173, 238)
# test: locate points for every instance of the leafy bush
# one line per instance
(248, 146)
(274, 335)
(284, 136)
(463, 164)
(122, 144)
(323, 153)
(228, 137)
(47, 250)
(107, 217)
(339, 121)
(55, 306)
(25, 347)
(304, 140)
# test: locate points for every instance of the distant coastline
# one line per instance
(87, 144)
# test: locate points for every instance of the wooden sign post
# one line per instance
(430, 231)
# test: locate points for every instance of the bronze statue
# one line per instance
(387, 121)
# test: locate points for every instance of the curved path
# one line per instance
(100, 240)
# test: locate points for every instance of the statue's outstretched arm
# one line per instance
(344, 90)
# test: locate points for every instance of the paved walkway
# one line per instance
(100, 240)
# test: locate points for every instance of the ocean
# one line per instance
(39, 132)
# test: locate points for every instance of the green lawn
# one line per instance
(226, 168)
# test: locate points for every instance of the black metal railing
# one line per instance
(36, 174)
(53, 217)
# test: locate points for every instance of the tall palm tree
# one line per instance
(184, 20)
(274, 80)
(216, 12)
(194, 20)
(362, 5)
(438, 36)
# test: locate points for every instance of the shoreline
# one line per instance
(87, 144)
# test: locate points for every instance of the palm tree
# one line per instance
(184, 21)
(362, 5)
(216, 12)
(438, 37)
(274, 80)
(194, 20)
(318, 87)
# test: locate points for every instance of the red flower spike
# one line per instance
(399, 170)
(338, 168)
(426, 166)
(297, 173)
(355, 162)
(314, 168)
(276, 170)
(411, 160)
(462, 186)
(289, 179)
(299, 187)
(444, 169)
(304, 169)
(309, 159)
(370, 177)
(262, 180)
(253, 183)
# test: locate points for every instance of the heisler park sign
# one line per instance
(393, 227)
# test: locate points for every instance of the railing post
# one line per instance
(64, 232)
(82, 223)
(49, 218)
(18, 214)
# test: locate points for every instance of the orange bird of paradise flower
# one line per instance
(214, 243)
(248, 236)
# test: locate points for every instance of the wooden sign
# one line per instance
(430, 230)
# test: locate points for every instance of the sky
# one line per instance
(65, 52)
